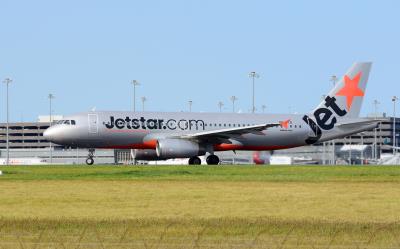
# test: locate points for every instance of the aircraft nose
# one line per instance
(51, 134)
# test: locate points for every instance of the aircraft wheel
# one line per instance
(89, 161)
(212, 160)
(194, 161)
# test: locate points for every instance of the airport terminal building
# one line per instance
(26, 141)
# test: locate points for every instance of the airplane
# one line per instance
(166, 135)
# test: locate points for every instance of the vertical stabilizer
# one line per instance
(349, 91)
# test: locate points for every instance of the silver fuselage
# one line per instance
(140, 130)
(181, 134)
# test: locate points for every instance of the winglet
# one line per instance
(285, 124)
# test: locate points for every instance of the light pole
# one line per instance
(362, 148)
(350, 148)
(394, 98)
(143, 100)
(376, 103)
(190, 105)
(220, 105)
(135, 83)
(253, 75)
(333, 152)
(7, 81)
(51, 97)
(263, 107)
(77, 155)
(333, 79)
(323, 143)
(233, 99)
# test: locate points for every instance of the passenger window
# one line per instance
(67, 122)
(73, 122)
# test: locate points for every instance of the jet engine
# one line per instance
(146, 155)
(178, 148)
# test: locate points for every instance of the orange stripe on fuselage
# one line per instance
(224, 147)
(151, 144)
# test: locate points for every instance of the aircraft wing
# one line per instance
(230, 132)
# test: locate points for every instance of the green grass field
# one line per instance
(200, 207)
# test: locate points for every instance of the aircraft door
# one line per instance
(93, 120)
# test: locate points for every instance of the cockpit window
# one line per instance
(65, 122)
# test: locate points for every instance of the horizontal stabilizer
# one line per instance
(358, 124)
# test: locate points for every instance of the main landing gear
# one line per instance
(195, 160)
(211, 160)
(89, 159)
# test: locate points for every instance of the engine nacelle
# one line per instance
(178, 148)
(146, 155)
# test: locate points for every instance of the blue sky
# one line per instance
(87, 52)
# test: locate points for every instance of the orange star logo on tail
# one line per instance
(285, 124)
(351, 89)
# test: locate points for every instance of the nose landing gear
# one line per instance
(89, 159)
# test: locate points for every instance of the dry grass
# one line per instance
(345, 202)
(193, 233)
(150, 209)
